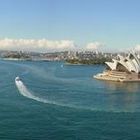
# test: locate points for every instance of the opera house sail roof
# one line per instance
(124, 68)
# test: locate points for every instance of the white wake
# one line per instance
(29, 94)
(25, 92)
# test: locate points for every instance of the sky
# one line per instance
(56, 25)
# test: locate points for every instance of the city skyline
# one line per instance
(51, 25)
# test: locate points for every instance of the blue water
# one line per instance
(63, 102)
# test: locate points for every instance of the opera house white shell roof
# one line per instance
(130, 63)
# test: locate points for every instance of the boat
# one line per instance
(17, 79)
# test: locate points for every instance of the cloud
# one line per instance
(94, 46)
(44, 45)
(137, 47)
(40, 45)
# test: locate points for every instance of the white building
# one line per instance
(122, 69)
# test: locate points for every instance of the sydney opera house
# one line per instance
(122, 69)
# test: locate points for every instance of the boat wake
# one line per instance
(29, 94)
(26, 93)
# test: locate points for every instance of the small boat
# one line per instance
(17, 79)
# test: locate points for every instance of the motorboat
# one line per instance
(17, 79)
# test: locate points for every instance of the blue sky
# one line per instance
(114, 23)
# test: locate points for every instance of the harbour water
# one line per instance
(55, 101)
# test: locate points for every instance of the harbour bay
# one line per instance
(76, 106)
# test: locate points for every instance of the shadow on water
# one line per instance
(121, 96)
(133, 87)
